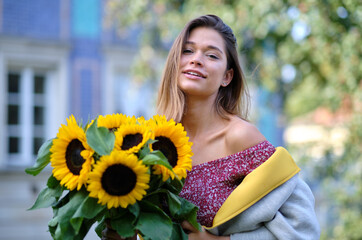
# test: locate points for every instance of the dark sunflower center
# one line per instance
(118, 180)
(131, 140)
(73, 158)
(166, 146)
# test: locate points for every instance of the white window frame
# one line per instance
(28, 57)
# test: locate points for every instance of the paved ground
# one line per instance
(18, 192)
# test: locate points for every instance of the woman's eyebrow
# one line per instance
(208, 47)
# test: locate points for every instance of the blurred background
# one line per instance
(302, 60)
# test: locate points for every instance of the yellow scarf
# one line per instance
(278, 169)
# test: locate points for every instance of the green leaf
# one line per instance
(134, 209)
(52, 228)
(65, 228)
(115, 212)
(174, 204)
(146, 149)
(64, 214)
(187, 212)
(178, 233)
(42, 159)
(86, 225)
(100, 227)
(153, 223)
(124, 225)
(155, 183)
(53, 182)
(89, 209)
(47, 197)
(53, 222)
(64, 200)
(66, 231)
(153, 197)
(57, 233)
(156, 157)
(174, 185)
(60, 231)
(100, 139)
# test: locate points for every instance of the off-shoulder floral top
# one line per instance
(209, 184)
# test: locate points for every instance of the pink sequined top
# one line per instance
(209, 184)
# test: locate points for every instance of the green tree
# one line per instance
(307, 51)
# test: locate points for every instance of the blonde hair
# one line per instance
(232, 99)
(171, 100)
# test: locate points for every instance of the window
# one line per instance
(33, 98)
(26, 98)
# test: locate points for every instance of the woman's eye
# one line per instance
(213, 56)
(187, 51)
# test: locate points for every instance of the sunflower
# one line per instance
(173, 143)
(141, 120)
(112, 122)
(71, 156)
(118, 179)
(131, 137)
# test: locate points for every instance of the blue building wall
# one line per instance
(86, 19)
(85, 57)
(38, 19)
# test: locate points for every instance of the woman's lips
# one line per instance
(192, 74)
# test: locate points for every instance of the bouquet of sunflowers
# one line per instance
(117, 170)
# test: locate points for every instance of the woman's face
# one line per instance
(203, 64)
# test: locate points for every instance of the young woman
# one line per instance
(245, 188)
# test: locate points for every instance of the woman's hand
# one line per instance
(195, 234)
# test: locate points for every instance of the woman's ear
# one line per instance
(229, 74)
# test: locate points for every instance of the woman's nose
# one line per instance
(196, 59)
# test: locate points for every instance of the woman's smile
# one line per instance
(193, 74)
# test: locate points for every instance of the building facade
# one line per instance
(57, 58)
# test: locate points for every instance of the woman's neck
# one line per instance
(201, 119)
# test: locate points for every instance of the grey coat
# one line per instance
(287, 212)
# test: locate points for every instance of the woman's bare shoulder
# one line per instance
(242, 135)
